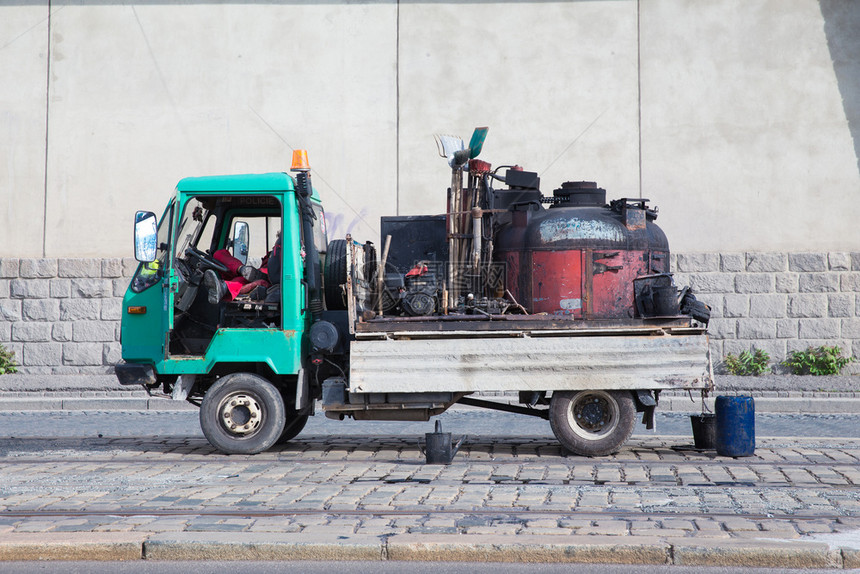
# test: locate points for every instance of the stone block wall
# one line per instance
(62, 316)
(778, 302)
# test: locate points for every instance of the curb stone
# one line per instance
(531, 549)
(254, 546)
(261, 546)
(105, 546)
(850, 558)
(795, 554)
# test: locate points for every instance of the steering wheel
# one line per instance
(205, 259)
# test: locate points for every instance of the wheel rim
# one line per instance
(240, 414)
(593, 415)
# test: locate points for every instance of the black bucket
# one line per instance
(437, 446)
(704, 431)
(656, 295)
(666, 301)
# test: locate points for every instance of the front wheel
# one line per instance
(592, 423)
(295, 424)
(242, 414)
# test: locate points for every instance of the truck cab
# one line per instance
(177, 342)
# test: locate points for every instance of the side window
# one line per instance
(262, 232)
(320, 239)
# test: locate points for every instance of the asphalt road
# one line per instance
(472, 422)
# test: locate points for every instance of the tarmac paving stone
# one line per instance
(496, 529)
(815, 526)
(606, 527)
(275, 524)
(126, 524)
(644, 528)
(377, 525)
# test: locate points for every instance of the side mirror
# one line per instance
(241, 241)
(145, 236)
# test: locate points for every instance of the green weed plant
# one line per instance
(8, 365)
(748, 363)
(817, 361)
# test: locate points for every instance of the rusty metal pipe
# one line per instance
(477, 232)
(380, 272)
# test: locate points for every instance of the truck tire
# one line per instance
(592, 423)
(334, 275)
(242, 413)
(295, 424)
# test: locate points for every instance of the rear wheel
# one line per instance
(592, 423)
(242, 413)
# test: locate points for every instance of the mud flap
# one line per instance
(303, 392)
(648, 405)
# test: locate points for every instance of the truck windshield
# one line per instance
(193, 219)
(148, 274)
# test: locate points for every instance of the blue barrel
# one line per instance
(735, 426)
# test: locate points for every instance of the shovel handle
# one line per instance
(457, 446)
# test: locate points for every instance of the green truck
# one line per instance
(496, 296)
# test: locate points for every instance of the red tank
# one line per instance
(580, 256)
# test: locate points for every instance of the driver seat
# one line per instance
(243, 312)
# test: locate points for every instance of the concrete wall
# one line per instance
(748, 112)
(740, 119)
(23, 125)
(142, 95)
(555, 81)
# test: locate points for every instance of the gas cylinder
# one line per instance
(580, 256)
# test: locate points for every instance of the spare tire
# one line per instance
(334, 275)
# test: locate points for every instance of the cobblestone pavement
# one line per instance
(796, 503)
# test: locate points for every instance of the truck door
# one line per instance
(147, 305)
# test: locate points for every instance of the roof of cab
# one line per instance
(277, 181)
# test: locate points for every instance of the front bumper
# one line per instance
(135, 374)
